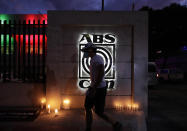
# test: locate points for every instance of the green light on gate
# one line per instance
(7, 45)
(4, 17)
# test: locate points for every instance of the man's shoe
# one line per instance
(117, 126)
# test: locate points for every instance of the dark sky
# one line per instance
(41, 6)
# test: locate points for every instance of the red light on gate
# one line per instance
(31, 43)
(36, 17)
(31, 18)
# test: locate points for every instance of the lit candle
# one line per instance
(129, 107)
(56, 112)
(137, 106)
(49, 108)
(120, 107)
(66, 104)
(134, 107)
(117, 107)
(43, 100)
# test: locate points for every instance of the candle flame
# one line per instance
(67, 101)
(56, 111)
(133, 106)
(43, 100)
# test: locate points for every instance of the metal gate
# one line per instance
(23, 50)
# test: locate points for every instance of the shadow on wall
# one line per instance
(53, 95)
(65, 83)
(51, 77)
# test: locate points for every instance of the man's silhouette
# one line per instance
(95, 95)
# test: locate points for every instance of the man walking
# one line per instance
(95, 95)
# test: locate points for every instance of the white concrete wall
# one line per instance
(64, 29)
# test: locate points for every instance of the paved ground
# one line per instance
(167, 112)
(168, 107)
(73, 120)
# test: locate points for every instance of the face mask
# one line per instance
(85, 55)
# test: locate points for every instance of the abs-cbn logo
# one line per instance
(106, 49)
(97, 39)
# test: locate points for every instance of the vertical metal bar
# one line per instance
(4, 52)
(133, 5)
(29, 50)
(24, 44)
(0, 51)
(43, 53)
(34, 50)
(9, 51)
(19, 48)
(132, 65)
(38, 71)
(15, 50)
(103, 3)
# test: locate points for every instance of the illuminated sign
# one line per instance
(106, 49)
